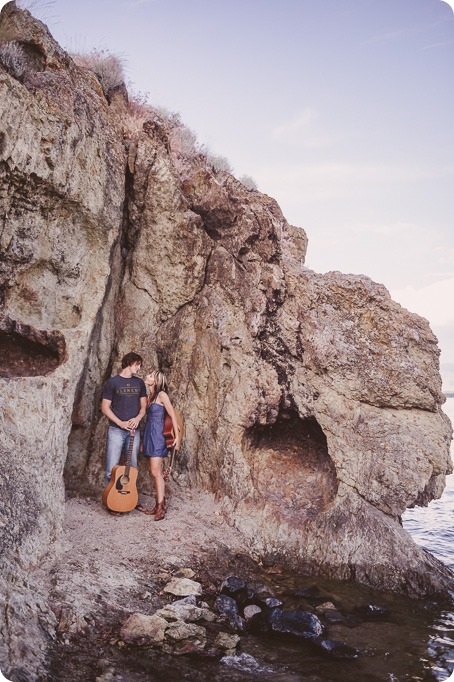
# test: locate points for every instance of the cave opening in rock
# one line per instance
(27, 352)
(291, 468)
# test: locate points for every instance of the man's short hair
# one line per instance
(130, 359)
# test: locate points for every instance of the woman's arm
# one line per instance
(134, 423)
(165, 400)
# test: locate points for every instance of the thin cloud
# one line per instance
(303, 131)
(434, 301)
(445, 255)
(138, 3)
(387, 36)
(336, 179)
(388, 229)
(296, 125)
(433, 46)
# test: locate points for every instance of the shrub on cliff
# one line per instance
(218, 163)
(138, 111)
(13, 58)
(248, 182)
(187, 152)
(38, 8)
(107, 67)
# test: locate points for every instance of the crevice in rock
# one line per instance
(85, 413)
(35, 57)
(82, 440)
(131, 225)
(29, 352)
(291, 468)
(275, 351)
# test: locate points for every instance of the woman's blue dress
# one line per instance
(154, 443)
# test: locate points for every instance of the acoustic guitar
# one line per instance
(169, 435)
(168, 431)
(121, 493)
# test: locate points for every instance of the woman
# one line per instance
(154, 444)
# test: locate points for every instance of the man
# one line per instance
(124, 402)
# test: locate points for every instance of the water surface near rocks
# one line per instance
(432, 527)
(413, 644)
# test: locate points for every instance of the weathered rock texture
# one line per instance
(61, 194)
(312, 402)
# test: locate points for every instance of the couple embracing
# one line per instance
(125, 403)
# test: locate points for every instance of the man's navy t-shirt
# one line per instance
(125, 395)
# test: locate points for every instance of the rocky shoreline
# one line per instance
(135, 600)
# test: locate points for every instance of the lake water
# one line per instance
(417, 643)
(432, 527)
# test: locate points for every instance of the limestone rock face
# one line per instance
(312, 403)
(61, 196)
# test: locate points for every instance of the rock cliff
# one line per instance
(312, 402)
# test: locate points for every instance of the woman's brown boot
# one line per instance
(154, 509)
(160, 511)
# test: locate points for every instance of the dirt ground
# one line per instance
(114, 565)
(124, 560)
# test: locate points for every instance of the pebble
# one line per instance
(224, 640)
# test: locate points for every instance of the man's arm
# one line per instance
(106, 409)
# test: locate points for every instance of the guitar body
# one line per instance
(168, 428)
(121, 494)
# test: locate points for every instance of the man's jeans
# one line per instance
(116, 438)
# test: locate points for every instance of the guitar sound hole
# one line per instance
(124, 480)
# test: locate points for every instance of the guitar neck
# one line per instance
(131, 445)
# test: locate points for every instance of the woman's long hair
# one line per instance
(160, 384)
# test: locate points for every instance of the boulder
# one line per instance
(226, 606)
(250, 611)
(224, 640)
(185, 573)
(190, 599)
(297, 623)
(336, 649)
(142, 629)
(272, 602)
(325, 606)
(236, 588)
(184, 638)
(185, 612)
(228, 609)
(181, 587)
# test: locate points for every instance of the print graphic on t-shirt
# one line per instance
(128, 390)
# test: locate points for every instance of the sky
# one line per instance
(342, 110)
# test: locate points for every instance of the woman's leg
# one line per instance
(156, 472)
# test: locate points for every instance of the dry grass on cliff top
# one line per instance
(186, 150)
